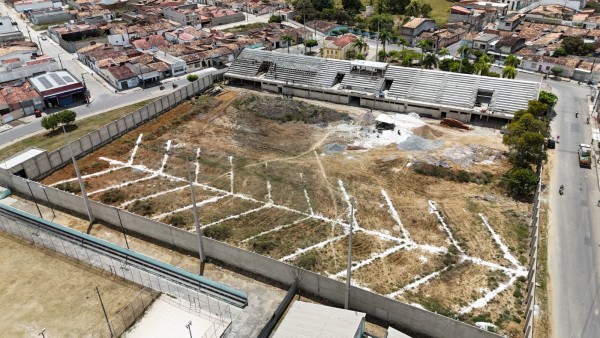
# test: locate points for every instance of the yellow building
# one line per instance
(336, 47)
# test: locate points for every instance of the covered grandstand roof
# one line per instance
(413, 85)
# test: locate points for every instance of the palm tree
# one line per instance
(512, 61)
(425, 45)
(360, 44)
(443, 52)
(429, 61)
(482, 65)
(402, 42)
(464, 50)
(288, 40)
(509, 72)
(384, 36)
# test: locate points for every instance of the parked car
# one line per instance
(38, 113)
(551, 143)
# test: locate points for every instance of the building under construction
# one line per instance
(378, 85)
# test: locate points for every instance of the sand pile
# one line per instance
(428, 132)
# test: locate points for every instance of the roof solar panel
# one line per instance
(58, 79)
(45, 82)
(68, 79)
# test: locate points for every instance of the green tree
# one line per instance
(288, 40)
(509, 72)
(512, 61)
(192, 77)
(556, 71)
(548, 98)
(320, 5)
(430, 61)
(393, 6)
(66, 117)
(275, 18)
(350, 54)
(402, 42)
(443, 52)
(537, 108)
(527, 150)
(521, 181)
(426, 10)
(381, 22)
(521, 124)
(360, 56)
(381, 55)
(493, 74)
(447, 65)
(384, 37)
(482, 65)
(310, 43)
(50, 122)
(360, 44)
(574, 45)
(352, 6)
(413, 8)
(425, 45)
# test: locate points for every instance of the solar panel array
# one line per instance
(57, 79)
(45, 82)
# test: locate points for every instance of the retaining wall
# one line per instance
(396, 313)
(45, 163)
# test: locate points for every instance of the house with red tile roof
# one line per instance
(337, 47)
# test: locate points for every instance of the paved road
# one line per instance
(573, 240)
(103, 97)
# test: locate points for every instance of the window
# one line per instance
(533, 65)
(547, 67)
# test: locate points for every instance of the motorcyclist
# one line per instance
(562, 188)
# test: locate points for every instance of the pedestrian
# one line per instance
(598, 203)
(557, 138)
(576, 114)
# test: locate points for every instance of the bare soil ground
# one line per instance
(288, 195)
(41, 289)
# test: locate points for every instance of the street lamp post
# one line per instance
(60, 60)
(86, 91)
(40, 45)
(47, 199)
(189, 327)
(122, 228)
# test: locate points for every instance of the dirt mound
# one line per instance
(428, 132)
(454, 124)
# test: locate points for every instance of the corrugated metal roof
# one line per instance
(319, 321)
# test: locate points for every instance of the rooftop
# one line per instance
(319, 321)
(52, 80)
(416, 22)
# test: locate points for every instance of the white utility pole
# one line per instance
(349, 272)
(81, 184)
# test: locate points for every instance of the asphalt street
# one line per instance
(573, 241)
(103, 97)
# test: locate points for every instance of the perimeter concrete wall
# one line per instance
(45, 163)
(400, 315)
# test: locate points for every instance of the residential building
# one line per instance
(509, 22)
(184, 15)
(18, 99)
(337, 47)
(414, 27)
(58, 88)
(30, 5)
(120, 77)
(48, 15)
(15, 69)
(553, 11)
(444, 37)
(176, 66)
(72, 32)
(311, 320)
(484, 42)
(324, 27)
(9, 30)
(508, 45)
(23, 51)
(475, 20)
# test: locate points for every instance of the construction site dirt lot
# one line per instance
(44, 290)
(278, 177)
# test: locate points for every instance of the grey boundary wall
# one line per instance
(533, 259)
(398, 314)
(47, 162)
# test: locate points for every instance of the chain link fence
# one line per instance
(182, 296)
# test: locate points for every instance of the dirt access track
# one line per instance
(276, 176)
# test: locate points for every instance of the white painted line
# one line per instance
(120, 185)
(395, 216)
(481, 302)
(299, 252)
(416, 283)
(433, 208)
(135, 149)
(369, 260)
(266, 206)
(277, 228)
(198, 204)
(498, 241)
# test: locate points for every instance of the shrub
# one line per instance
(143, 208)
(177, 220)
(275, 18)
(50, 122)
(463, 176)
(113, 196)
(263, 244)
(218, 232)
(308, 261)
(521, 181)
(192, 77)
(72, 187)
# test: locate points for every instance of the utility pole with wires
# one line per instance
(196, 220)
(81, 184)
(349, 267)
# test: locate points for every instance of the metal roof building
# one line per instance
(430, 92)
(308, 320)
(58, 88)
